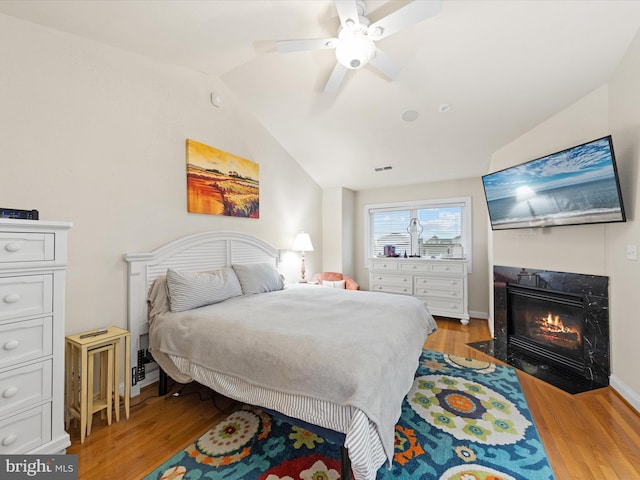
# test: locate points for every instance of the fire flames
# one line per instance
(552, 326)
(554, 320)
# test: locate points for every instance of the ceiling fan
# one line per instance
(355, 44)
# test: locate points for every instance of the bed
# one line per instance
(338, 359)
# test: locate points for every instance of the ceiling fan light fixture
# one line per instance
(355, 44)
(354, 50)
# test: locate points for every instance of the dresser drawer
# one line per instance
(25, 431)
(26, 247)
(22, 296)
(381, 265)
(444, 307)
(393, 280)
(23, 341)
(439, 283)
(433, 292)
(415, 267)
(453, 268)
(23, 387)
(407, 290)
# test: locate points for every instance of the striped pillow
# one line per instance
(258, 277)
(189, 290)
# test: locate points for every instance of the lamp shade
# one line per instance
(302, 243)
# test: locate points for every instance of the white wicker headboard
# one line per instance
(199, 252)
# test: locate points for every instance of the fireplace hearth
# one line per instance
(553, 325)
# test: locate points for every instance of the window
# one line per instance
(421, 229)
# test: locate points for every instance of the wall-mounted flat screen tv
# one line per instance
(576, 186)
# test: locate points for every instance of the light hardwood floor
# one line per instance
(593, 435)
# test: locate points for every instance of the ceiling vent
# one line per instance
(382, 169)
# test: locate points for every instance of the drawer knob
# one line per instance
(10, 392)
(404, 279)
(11, 344)
(9, 439)
(11, 298)
(12, 247)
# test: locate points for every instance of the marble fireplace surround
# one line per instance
(594, 291)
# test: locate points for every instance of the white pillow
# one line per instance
(334, 284)
(189, 290)
(258, 277)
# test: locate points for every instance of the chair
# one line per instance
(349, 283)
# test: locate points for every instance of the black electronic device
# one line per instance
(19, 214)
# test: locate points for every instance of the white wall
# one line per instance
(96, 136)
(624, 118)
(338, 230)
(478, 279)
(591, 249)
(572, 249)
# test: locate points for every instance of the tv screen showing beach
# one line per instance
(575, 186)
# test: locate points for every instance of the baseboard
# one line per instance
(482, 315)
(631, 397)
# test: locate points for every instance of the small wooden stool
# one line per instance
(80, 352)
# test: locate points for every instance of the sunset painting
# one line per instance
(220, 183)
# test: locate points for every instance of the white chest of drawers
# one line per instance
(440, 284)
(33, 258)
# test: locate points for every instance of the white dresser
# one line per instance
(33, 258)
(440, 283)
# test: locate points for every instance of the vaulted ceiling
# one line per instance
(478, 74)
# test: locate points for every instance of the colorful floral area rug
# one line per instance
(463, 419)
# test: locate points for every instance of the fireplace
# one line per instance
(554, 325)
(548, 325)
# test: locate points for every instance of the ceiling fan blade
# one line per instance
(410, 14)
(335, 80)
(348, 11)
(385, 65)
(286, 46)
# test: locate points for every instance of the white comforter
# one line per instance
(355, 350)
